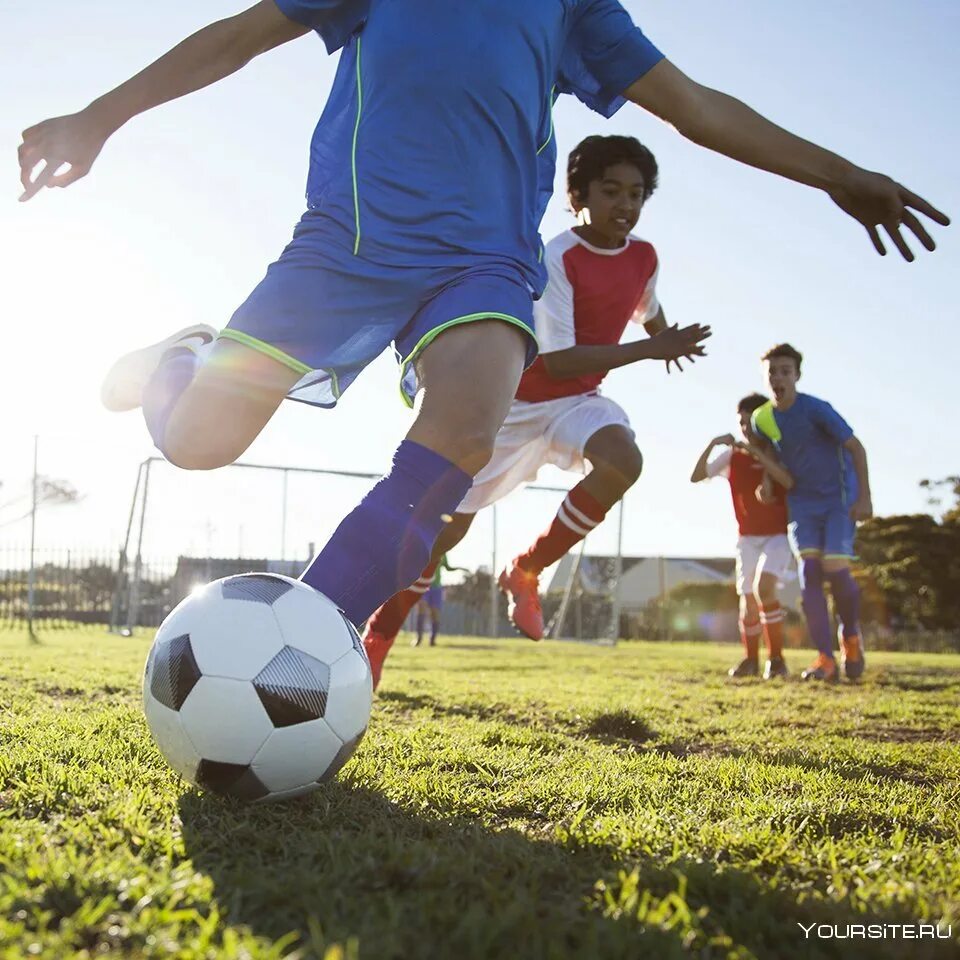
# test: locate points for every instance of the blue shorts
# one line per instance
(822, 528)
(326, 313)
(434, 597)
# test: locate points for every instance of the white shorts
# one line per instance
(759, 555)
(535, 434)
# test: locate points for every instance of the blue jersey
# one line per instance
(810, 438)
(437, 138)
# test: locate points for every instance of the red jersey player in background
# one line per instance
(600, 278)
(758, 485)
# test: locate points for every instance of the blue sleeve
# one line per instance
(605, 53)
(334, 20)
(828, 420)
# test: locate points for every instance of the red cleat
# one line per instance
(377, 646)
(523, 595)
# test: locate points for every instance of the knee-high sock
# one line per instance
(815, 604)
(579, 513)
(388, 618)
(434, 630)
(421, 623)
(750, 637)
(771, 617)
(173, 375)
(846, 601)
(386, 541)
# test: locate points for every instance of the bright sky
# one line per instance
(188, 204)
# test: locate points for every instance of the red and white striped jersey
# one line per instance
(591, 296)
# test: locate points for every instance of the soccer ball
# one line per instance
(257, 687)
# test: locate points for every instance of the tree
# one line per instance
(914, 561)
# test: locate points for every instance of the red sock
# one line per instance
(388, 619)
(772, 617)
(750, 631)
(579, 513)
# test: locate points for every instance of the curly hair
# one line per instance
(591, 157)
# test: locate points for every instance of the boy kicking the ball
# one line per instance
(830, 493)
(758, 485)
(423, 204)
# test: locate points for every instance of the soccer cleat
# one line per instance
(851, 657)
(775, 667)
(823, 668)
(523, 596)
(377, 646)
(122, 388)
(747, 667)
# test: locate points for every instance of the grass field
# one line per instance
(510, 800)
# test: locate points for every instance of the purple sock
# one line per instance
(846, 600)
(384, 544)
(173, 375)
(815, 604)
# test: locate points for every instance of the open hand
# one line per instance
(877, 201)
(672, 344)
(71, 142)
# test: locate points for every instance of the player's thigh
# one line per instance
(749, 550)
(839, 534)
(807, 530)
(590, 428)
(231, 399)
(469, 375)
(773, 565)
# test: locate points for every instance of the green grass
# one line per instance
(511, 800)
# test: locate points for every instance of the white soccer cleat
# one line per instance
(122, 387)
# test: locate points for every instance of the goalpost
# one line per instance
(132, 560)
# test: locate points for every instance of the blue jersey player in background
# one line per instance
(830, 493)
(424, 194)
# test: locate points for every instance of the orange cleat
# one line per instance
(823, 668)
(377, 646)
(852, 657)
(523, 595)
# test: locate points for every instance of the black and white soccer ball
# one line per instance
(257, 687)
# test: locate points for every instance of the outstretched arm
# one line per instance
(724, 124)
(203, 58)
(669, 344)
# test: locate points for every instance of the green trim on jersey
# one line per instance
(353, 155)
(261, 347)
(764, 422)
(545, 144)
(431, 335)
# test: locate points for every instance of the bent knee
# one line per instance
(470, 448)
(621, 466)
(187, 454)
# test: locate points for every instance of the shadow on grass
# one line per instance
(892, 773)
(347, 862)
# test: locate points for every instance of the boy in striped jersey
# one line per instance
(600, 278)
